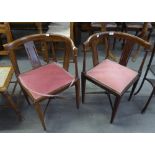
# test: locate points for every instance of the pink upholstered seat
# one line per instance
(112, 75)
(45, 79)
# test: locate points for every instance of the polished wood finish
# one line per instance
(70, 50)
(91, 44)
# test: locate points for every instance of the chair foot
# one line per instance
(83, 87)
(133, 89)
(140, 87)
(26, 97)
(116, 104)
(40, 114)
(143, 110)
(147, 103)
(12, 104)
(77, 89)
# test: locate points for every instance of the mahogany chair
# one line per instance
(6, 73)
(45, 81)
(115, 78)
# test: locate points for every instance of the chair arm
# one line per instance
(75, 52)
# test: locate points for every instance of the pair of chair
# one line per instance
(47, 81)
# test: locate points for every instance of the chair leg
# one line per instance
(133, 89)
(11, 103)
(116, 104)
(44, 50)
(83, 87)
(136, 32)
(77, 90)
(14, 88)
(149, 35)
(114, 43)
(27, 99)
(140, 87)
(147, 103)
(40, 114)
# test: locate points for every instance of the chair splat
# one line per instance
(32, 54)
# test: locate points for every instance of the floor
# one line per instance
(93, 116)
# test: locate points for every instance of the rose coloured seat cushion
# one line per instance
(45, 79)
(112, 75)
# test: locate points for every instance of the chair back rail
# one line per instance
(104, 37)
(47, 39)
(32, 54)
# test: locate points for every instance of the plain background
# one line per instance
(66, 11)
